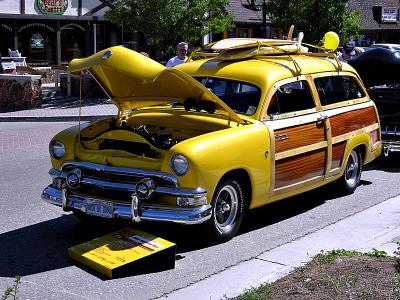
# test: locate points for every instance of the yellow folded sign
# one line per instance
(125, 251)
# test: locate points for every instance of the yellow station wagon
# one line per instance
(253, 122)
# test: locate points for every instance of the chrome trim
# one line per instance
(167, 191)
(390, 130)
(149, 187)
(135, 208)
(389, 147)
(186, 215)
(122, 171)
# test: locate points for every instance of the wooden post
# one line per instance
(58, 42)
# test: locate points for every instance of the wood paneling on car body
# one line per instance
(298, 168)
(353, 120)
(337, 154)
(299, 136)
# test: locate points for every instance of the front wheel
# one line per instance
(352, 174)
(227, 210)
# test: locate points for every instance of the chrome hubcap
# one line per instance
(226, 208)
(352, 168)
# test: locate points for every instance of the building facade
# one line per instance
(379, 20)
(55, 31)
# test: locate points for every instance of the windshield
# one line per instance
(242, 98)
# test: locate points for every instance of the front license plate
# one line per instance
(99, 208)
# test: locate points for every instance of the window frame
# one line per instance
(278, 84)
(342, 103)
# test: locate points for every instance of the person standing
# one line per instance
(349, 51)
(182, 49)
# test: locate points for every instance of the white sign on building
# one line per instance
(389, 14)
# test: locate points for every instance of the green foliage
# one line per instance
(330, 256)
(11, 292)
(397, 261)
(264, 292)
(315, 18)
(164, 23)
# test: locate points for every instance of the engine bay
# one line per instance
(148, 137)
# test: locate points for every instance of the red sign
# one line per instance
(52, 7)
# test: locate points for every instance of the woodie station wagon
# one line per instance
(250, 123)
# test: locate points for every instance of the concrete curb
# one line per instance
(52, 119)
(376, 227)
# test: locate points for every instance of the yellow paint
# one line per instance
(107, 253)
(214, 144)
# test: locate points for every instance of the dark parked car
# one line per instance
(392, 47)
(380, 71)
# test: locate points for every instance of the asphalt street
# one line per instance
(34, 236)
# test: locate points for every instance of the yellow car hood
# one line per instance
(133, 80)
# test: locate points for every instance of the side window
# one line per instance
(334, 89)
(291, 97)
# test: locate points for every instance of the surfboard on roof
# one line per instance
(241, 48)
(238, 43)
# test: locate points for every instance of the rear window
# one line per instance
(334, 89)
(241, 97)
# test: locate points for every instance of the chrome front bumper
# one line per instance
(186, 215)
(129, 192)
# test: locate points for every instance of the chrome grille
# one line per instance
(120, 175)
(390, 132)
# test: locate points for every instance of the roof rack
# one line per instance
(244, 48)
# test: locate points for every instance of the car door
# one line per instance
(345, 103)
(298, 134)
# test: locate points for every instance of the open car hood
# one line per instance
(133, 80)
(377, 66)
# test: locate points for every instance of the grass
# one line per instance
(11, 292)
(262, 293)
(331, 256)
(337, 274)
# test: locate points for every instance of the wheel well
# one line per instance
(245, 182)
(361, 149)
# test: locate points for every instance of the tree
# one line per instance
(164, 23)
(315, 18)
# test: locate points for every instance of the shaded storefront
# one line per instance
(54, 32)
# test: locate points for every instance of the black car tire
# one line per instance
(352, 173)
(227, 211)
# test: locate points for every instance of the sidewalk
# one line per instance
(376, 227)
(59, 108)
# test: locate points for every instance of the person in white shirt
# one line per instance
(182, 49)
(349, 51)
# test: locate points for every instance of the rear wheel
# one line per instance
(352, 173)
(227, 210)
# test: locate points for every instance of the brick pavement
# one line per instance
(27, 135)
(60, 108)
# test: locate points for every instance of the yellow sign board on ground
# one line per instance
(126, 251)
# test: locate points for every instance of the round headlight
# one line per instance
(179, 164)
(57, 149)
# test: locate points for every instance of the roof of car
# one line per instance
(260, 69)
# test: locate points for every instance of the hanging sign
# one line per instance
(52, 7)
